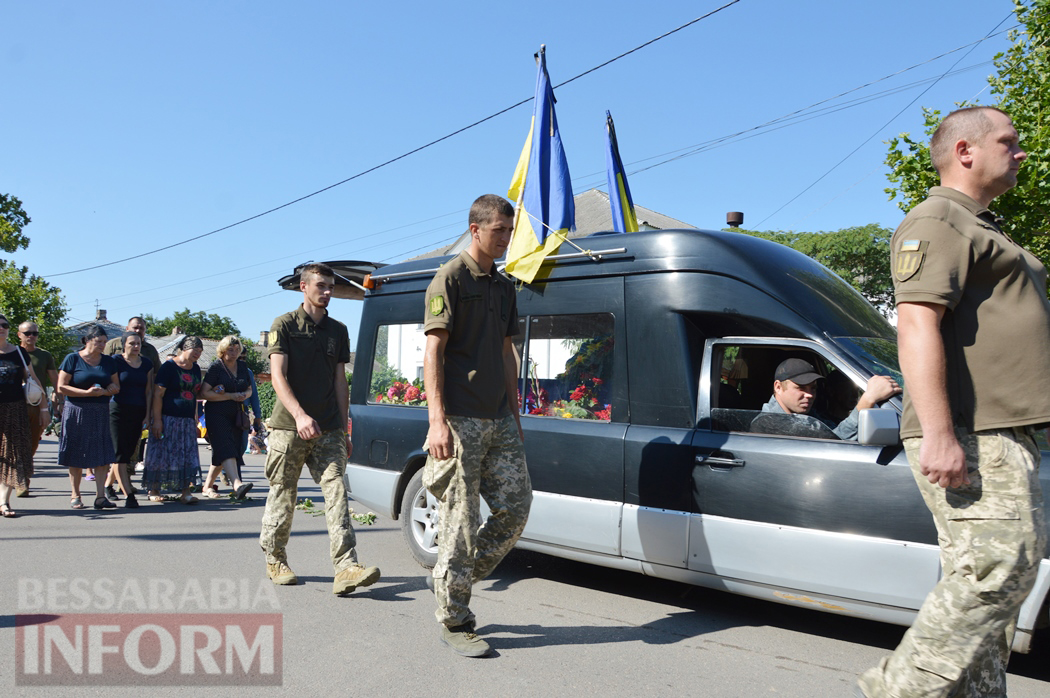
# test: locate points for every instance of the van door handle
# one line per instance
(720, 464)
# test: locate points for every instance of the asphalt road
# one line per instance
(558, 628)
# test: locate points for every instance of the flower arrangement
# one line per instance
(583, 402)
(403, 393)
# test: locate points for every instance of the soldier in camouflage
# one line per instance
(308, 353)
(475, 438)
(965, 291)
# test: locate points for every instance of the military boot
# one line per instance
(352, 577)
(464, 641)
(281, 574)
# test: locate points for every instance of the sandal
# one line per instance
(155, 497)
(243, 490)
(76, 503)
(7, 512)
(212, 493)
(188, 499)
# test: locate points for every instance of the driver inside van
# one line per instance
(795, 389)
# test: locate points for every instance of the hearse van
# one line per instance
(644, 364)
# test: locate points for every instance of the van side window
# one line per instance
(569, 366)
(398, 354)
(742, 395)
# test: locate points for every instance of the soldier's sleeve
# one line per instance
(930, 260)
(278, 339)
(440, 302)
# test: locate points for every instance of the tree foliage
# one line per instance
(255, 359)
(12, 219)
(860, 255)
(199, 323)
(25, 296)
(1022, 73)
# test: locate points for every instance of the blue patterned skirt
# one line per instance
(173, 463)
(85, 440)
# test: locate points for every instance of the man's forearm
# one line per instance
(434, 383)
(923, 365)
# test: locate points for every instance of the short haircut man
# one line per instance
(475, 442)
(795, 386)
(47, 372)
(966, 293)
(308, 355)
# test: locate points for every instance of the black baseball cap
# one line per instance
(797, 370)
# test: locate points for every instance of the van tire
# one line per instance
(419, 518)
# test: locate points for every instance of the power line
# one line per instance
(392, 160)
(880, 129)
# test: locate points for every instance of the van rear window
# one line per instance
(397, 369)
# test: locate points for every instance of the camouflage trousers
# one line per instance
(488, 460)
(325, 456)
(992, 535)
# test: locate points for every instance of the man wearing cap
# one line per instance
(973, 325)
(795, 392)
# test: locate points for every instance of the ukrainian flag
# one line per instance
(541, 187)
(623, 217)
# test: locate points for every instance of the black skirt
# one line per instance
(125, 427)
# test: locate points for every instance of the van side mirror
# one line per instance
(879, 427)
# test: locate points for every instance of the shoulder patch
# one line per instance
(437, 304)
(272, 339)
(908, 261)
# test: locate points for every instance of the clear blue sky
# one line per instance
(131, 125)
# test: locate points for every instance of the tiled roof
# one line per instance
(593, 215)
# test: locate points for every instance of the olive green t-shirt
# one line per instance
(479, 310)
(950, 251)
(116, 346)
(312, 352)
(42, 362)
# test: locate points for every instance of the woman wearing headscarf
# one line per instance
(172, 460)
(16, 454)
(88, 379)
(226, 386)
(128, 411)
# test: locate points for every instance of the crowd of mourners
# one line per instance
(116, 405)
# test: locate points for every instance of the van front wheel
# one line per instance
(419, 521)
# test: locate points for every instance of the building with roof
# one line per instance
(75, 333)
(593, 215)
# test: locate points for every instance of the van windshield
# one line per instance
(878, 355)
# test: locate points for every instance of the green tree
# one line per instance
(1022, 73)
(199, 323)
(12, 219)
(25, 296)
(860, 255)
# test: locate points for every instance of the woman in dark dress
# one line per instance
(16, 454)
(88, 379)
(226, 386)
(172, 460)
(128, 410)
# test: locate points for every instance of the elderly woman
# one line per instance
(128, 411)
(172, 460)
(226, 386)
(16, 454)
(88, 379)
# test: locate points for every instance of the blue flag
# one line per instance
(541, 187)
(623, 217)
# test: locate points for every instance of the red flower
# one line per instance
(412, 393)
(579, 393)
